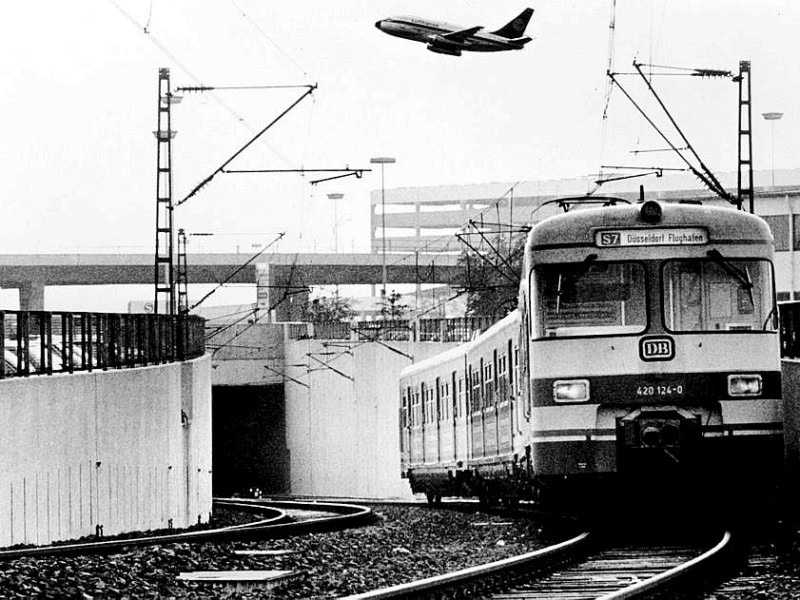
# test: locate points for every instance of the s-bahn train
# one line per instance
(645, 343)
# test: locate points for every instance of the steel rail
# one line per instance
(438, 583)
(275, 526)
(643, 588)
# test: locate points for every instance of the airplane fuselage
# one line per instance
(433, 33)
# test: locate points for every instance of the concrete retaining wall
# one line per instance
(343, 435)
(343, 429)
(120, 450)
(791, 419)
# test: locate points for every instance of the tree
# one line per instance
(334, 309)
(490, 275)
(391, 307)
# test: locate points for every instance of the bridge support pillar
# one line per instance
(280, 293)
(31, 295)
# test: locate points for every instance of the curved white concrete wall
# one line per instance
(125, 450)
(342, 423)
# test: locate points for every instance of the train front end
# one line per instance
(654, 346)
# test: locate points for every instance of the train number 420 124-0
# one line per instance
(659, 390)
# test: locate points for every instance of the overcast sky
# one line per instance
(80, 87)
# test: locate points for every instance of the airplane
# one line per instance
(444, 38)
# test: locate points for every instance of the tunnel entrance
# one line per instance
(249, 440)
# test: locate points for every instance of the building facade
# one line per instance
(446, 219)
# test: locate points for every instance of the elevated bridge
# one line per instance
(275, 275)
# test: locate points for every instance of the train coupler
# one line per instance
(658, 440)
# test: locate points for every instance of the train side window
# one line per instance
(444, 401)
(453, 395)
(430, 405)
(475, 398)
(416, 408)
(462, 397)
(502, 378)
(405, 407)
(488, 385)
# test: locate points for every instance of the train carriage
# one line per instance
(645, 344)
(433, 423)
(654, 345)
(462, 428)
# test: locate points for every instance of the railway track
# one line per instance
(614, 573)
(281, 519)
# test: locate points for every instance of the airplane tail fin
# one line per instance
(515, 28)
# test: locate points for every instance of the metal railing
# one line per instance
(789, 318)
(401, 330)
(43, 343)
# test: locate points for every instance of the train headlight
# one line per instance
(571, 390)
(650, 212)
(744, 385)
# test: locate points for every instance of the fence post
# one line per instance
(2, 344)
(23, 343)
(67, 343)
(181, 336)
(87, 351)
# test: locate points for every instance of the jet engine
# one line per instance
(441, 46)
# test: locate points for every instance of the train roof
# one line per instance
(459, 351)
(578, 227)
(438, 359)
(509, 320)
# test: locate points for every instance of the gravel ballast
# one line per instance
(406, 543)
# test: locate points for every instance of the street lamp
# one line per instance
(335, 197)
(382, 161)
(772, 117)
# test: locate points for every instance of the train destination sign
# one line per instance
(673, 236)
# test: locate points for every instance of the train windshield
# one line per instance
(718, 294)
(589, 299)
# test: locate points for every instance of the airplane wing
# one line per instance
(462, 34)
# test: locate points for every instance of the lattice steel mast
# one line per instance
(745, 172)
(182, 280)
(164, 276)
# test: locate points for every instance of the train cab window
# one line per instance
(588, 299)
(718, 294)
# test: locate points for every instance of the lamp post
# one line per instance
(382, 161)
(335, 197)
(772, 117)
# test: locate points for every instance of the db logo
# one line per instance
(659, 347)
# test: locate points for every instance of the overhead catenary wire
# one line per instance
(705, 175)
(285, 376)
(263, 34)
(328, 366)
(708, 176)
(237, 270)
(192, 75)
(461, 234)
(286, 294)
(181, 65)
(220, 169)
